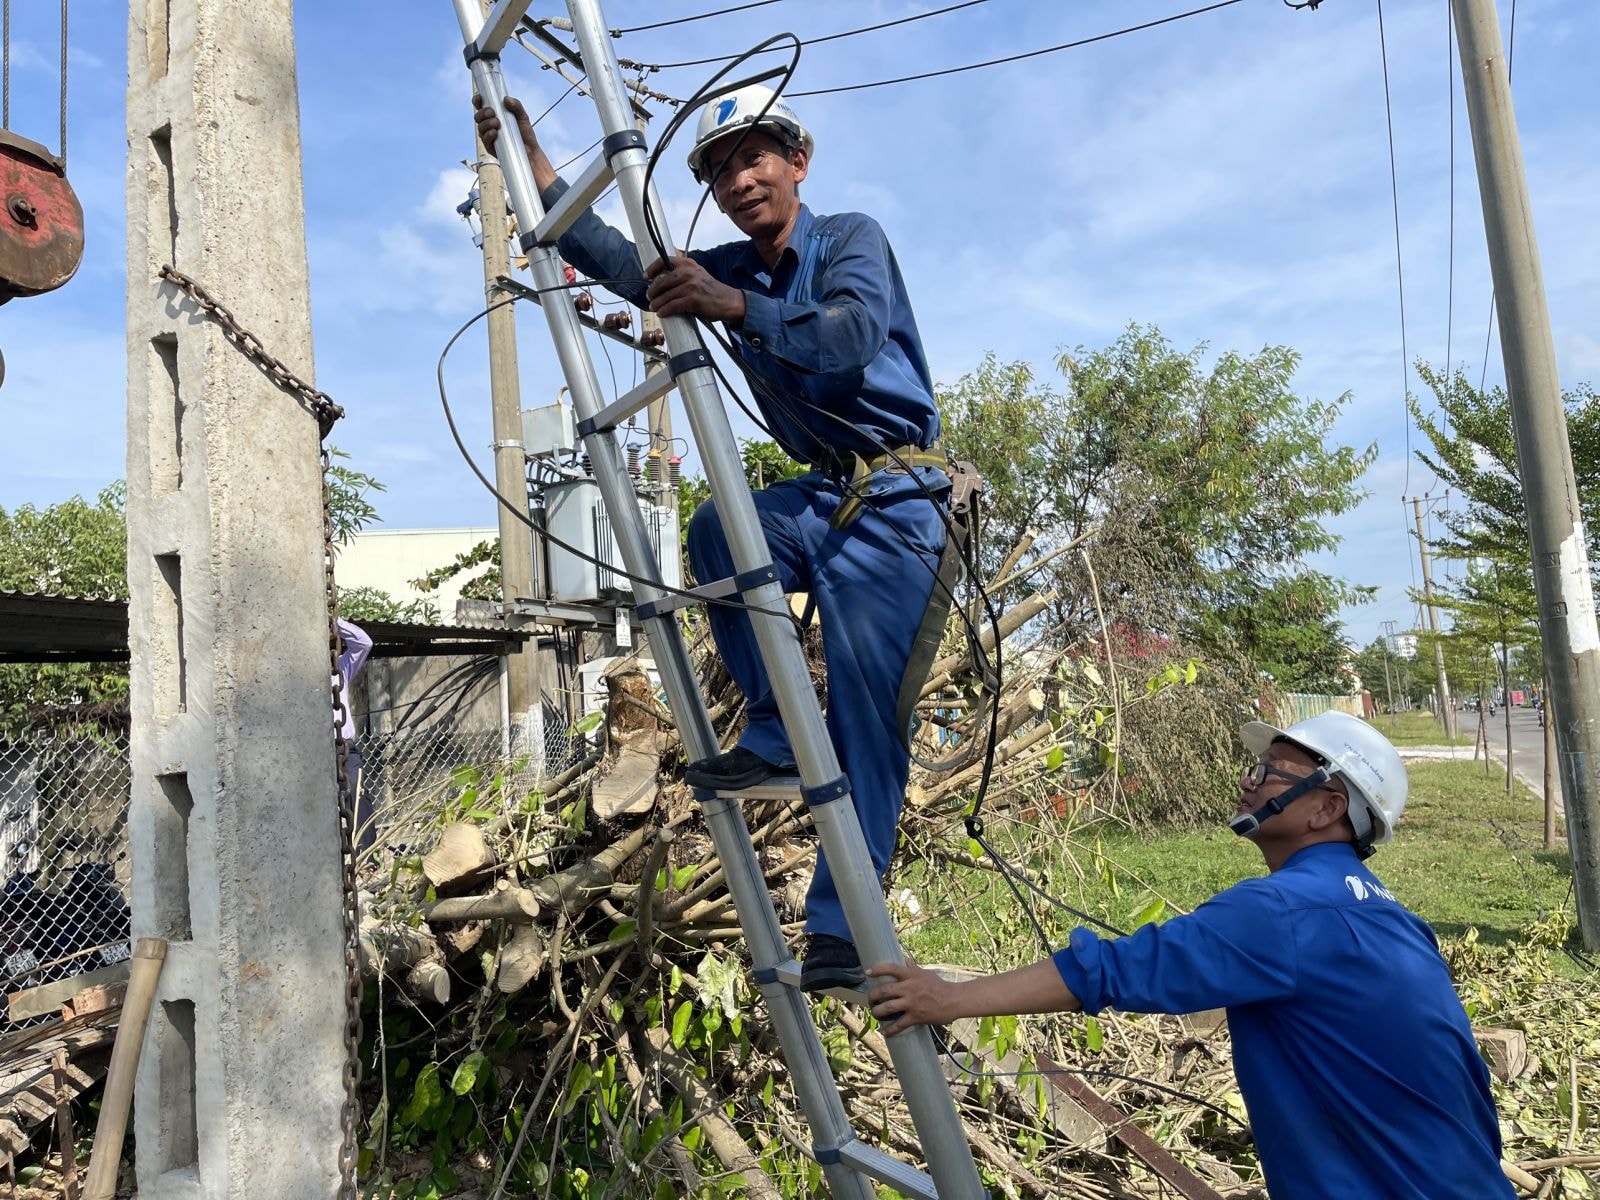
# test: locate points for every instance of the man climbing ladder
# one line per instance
(820, 318)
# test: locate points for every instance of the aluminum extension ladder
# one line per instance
(849, 1165)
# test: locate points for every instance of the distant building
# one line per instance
(1402, 645)
(389, 559)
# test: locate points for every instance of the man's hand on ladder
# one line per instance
(683, 288)
(489, 132)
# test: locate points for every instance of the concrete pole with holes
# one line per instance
(517, 574)
(233, 822)
(1567, 623)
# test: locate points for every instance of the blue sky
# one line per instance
(1224, 177)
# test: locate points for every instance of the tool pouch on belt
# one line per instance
(966, 487)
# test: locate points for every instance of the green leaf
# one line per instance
(1093, 1036)
(466, 1076)
(427, 1095)
(590, 723)
(1053, 760)
(1153, 911)
(624, 931)
(680, 1024)
(682, 876)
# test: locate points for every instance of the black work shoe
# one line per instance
(738, 768)
(831, 962)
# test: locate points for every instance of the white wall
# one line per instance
(390, 558)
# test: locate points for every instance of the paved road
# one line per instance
(1527, 745)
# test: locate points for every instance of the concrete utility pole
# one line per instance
(1447, 708)
(233, 823)
(1388, 649)
(1544, 455)
(510, 459)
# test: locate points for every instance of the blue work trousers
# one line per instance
(872, 582)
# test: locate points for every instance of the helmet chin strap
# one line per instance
(1246, 824)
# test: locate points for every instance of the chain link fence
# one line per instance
(64, 863)
(63, 855)
(407, 777)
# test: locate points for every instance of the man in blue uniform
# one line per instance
(1353, 1053)
(818, 313)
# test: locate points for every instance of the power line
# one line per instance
(1011, 58)
(721, 12)
(1399, 269)
(832, 37)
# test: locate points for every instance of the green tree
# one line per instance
(1205, 489)
(1474, 453)
(74, 548)
(80, 548)
(765, 463)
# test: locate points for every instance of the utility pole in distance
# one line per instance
(1388, 649)
(1544, 454)
(1446, 707)
(510, 457)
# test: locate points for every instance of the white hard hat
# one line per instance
(735, 111)
(1351, 750)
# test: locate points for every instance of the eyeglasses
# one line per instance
(1257, 774)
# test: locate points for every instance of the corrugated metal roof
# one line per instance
(40, 628)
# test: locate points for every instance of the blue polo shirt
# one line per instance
(830, 328)
(1353, 1053)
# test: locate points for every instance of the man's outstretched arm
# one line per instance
(916, 996)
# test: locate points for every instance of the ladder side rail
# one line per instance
(544, 263)
(810, 1073)
(791, 1016)
(916, 1061)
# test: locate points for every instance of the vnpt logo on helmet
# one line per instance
(725, 110)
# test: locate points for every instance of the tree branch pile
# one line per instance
(564, 991)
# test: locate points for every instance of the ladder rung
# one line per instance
(789, 975)
(500, 24)
(885, 1168)
(652, 389)
(777, 787)
(576, 201)
(651, 353)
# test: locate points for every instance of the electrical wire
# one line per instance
(973, 820)
(721, 12)
(461, 445)
(1011, 58)
(1399, 269)
(992, 672)
(832, 37)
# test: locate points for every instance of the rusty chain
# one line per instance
(321, 406)
(317, 402)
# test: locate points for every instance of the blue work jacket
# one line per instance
(1353, 1053)
(830, 329)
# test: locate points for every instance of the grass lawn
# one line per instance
(1416, 728)
(1465, 855)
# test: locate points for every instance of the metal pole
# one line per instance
(1448, 711)
(523, 690)
(1544, 454)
